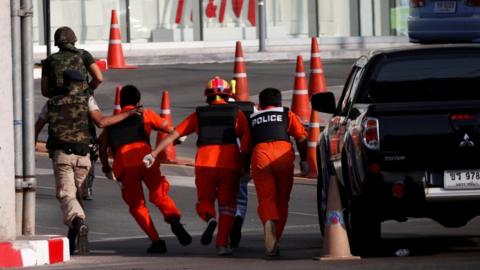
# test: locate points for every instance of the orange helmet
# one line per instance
(218, 86)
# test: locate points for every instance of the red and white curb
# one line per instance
(37, 250)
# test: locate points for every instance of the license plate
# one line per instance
(445, 6)
(465, 179)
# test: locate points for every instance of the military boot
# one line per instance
(72, 240)
(81, 230)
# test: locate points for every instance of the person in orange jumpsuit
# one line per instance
(218, 163)
(130, 141)
(272, 162)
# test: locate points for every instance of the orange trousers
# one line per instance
(272, 173)
(220, 184)
(158, 186)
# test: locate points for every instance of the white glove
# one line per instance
(304, 167)
(148, 160)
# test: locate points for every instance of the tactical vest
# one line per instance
(269, 125)
(217, 124)
(61, 61)
(128, 131)
(68, 119)
(246, 107)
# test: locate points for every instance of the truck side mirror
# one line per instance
(324, 102)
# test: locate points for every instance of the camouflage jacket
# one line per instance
(68, 119)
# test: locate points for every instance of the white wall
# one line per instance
(7, 180)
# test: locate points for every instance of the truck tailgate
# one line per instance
(429, 136)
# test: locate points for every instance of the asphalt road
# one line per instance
(118, 243)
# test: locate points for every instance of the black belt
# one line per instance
(79, 149)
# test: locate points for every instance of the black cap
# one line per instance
(73, 75)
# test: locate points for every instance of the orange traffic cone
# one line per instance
(115, 52)
(317, 82)
(313, 136)
(240, 75)
(335, 241)
(169, 154)
(300, 101)
(116, 106)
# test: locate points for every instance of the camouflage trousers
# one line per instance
(70, 174)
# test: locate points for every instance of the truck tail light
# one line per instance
(398, 190)
(464, 117)
(371, 136)
(417, 3)
(473, 3)
(374, 168)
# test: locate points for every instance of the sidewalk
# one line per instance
(196, 52)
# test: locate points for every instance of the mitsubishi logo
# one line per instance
(466, 142)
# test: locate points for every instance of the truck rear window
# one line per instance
(426, 77)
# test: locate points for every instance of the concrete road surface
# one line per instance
(118, 243)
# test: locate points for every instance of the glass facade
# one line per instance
(220, 20)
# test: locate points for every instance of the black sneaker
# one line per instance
(236, 231)
(182, 235)
(72, 240)
(81, 230)
(158, 246)
(207, 235)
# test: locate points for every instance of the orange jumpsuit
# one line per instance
(217, 172)
(272, 173)
(129, 169)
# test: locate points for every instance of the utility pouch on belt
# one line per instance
(78, 149)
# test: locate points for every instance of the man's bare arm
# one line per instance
(97, 76)
(102, 121)
(44, 87)
(38, 127)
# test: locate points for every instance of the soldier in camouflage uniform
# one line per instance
(69, 57)
(68, 115)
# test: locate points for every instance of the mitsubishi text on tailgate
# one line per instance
(404, 140)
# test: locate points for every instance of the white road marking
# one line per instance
(42, 187)
(303, 214)
(198, 233)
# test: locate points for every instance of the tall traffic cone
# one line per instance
(335, 241)
(300, 101)
(313, 136)
(240, 75)
(115, 57)
(116, 106)
(317, 83)
(169, 154)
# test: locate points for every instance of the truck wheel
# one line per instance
(363, 226)
(321, 203)
(322, 186)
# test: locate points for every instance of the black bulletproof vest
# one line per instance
(128, 131)
(216, 124)
(246, 107)
(269, 125)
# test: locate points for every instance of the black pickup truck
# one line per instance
(404, 140)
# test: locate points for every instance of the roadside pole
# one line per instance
(29, 182)
(7, 180)
(17, 112)
(46, 28)
(262, 26)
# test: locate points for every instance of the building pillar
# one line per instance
(312, 18)
(382, 18)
